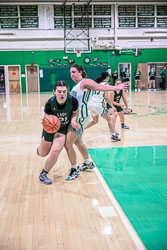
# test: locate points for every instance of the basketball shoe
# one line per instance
(115, 138)
(85, 166)
(73, 174)
(43, 177)
(124, 126)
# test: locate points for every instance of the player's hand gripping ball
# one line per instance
(51, 123)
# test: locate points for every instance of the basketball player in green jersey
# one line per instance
(83, 92)
(152, 75)
(65, 107)
(137, 75)
(115, 99)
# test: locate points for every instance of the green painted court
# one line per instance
(137, 176)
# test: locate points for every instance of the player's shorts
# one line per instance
(97, 109)
(76, 131)
(49, 137)
(83, 122)
(118, 108)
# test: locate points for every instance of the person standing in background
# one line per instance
(114, 76)
(127, 77)
(163, 78)
(152, 75)
(137, 75)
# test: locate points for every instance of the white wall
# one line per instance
(48, 38)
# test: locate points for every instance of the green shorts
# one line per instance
(118, 108)
(49, 137)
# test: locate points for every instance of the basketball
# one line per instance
(51, 124)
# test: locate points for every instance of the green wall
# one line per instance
(41, 58)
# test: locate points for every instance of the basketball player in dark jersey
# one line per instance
(65, 107)
(127, 77)
(115, 99)
(137, 75)
(152, 75)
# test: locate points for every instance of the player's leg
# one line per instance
(122, 120)
(136, 87)
(114, 116)
(71, 137)
(138, 84)
(57, 146)
(94, 121)
(111, 126)
(150, 82)
(154, 85)
(88, 164)
(46, 144)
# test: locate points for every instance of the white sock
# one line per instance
(74, 166)
(87, 161)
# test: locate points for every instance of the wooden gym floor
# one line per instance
(78, 214)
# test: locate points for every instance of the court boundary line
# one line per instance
(135, 237)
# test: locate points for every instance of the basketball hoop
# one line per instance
(78, 52)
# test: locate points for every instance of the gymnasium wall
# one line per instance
(103, 57)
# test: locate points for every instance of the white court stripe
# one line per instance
(139, 244)
(93, 182)
(107, 211)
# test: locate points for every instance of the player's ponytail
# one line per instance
(104, 75)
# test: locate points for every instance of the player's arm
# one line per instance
(47, 109)
(75, 113)
(90, 84)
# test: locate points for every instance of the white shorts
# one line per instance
(83, 124)
(96, 108)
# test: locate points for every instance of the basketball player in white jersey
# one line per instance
(97, 106)
(83, 92)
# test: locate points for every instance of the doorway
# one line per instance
(32, 79)
(14, 79)
(2, 80)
